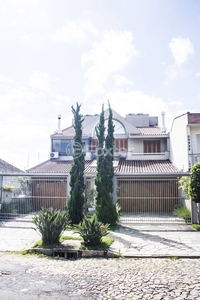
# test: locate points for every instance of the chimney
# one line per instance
(163, 129)
(59, 121)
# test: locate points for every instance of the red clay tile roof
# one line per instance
(68, 132)
(8, 168)
(58, 166)
(124, 166)
(146, 166)
(151, 131)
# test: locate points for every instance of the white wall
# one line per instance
(136, 145)
(179, 143)
(193, 132)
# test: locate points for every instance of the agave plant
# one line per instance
(91, 230)
(50, 223)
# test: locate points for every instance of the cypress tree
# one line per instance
(100, 132)
(106, 210)
(76, 201)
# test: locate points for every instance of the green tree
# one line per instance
(194, 185)
(77, 199)
(100, 132)
(106, 210)
(109, 153)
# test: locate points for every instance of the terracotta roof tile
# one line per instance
(58, 166)
(146, 166)
(8, 168)
(124, 166)
(151, 131)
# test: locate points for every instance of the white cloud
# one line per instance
(61, 101)
(15, 97)
(21, 131)
(108, 56)
(135, 101)
(5, 80)
(26, 38)
(121, 80)
(181, 50)
(40, 80)
(175, 103)
(23, 13)
(198, 74)
(73, 32)
(173, 72)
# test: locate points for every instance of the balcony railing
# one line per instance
(149, 156)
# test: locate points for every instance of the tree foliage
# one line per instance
(194, 185)
(77, 199)
(105, 209)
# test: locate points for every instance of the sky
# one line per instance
(143, 56)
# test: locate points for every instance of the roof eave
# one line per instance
(175, 174)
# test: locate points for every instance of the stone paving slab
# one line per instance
(154, 240)
(131, 240)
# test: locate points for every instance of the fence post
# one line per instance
(194, 218)
(114, 194)
(1, 187)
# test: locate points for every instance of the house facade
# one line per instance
(145, 179)
(185, 141)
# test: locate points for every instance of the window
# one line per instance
(151, 146)
(121, 145)
(63, 147)
(93, 146)
(198, 143)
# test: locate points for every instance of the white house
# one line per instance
(185, 141)
(145, 179)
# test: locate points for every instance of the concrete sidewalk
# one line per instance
(131, 240)
(156, 240)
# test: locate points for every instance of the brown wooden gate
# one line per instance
(147, 196)
(49, 192)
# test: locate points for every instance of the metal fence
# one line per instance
(142, 199)
(149, 199)
(22, 196)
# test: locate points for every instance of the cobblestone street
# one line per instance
(33, 277)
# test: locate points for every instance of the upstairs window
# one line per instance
(121, 145)
(151, 146)
(93, 146)
(63, 147)
(198, 143)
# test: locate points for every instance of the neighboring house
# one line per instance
(185, 141)
(9, 180)
(145, 179)
(8, 168)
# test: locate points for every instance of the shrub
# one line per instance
(108, 211)
(50, 223)
(194, 185)
(17, 206)
(92, 231)
(8, 188)
(182, 212)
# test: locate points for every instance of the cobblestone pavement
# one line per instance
(32, 277)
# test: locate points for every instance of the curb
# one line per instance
(69, 253)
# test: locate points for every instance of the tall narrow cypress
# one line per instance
(106, 210)
(76, 201)
(100, 132)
